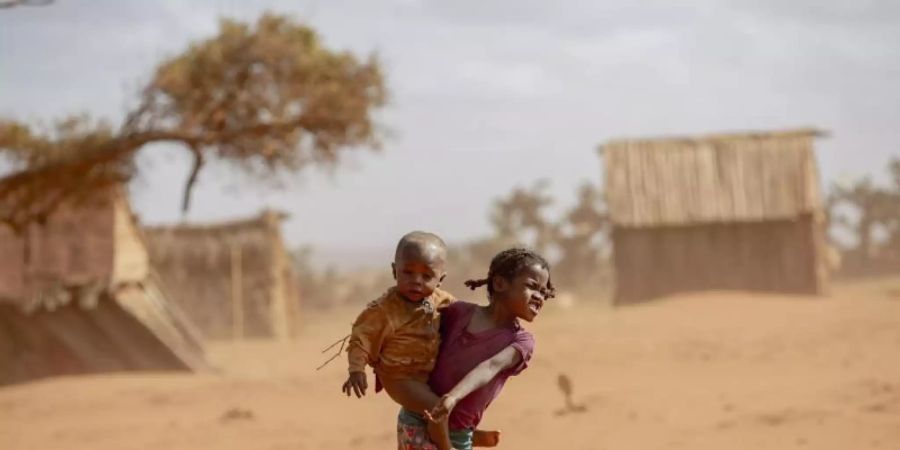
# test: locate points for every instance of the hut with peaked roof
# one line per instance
(728, 211)
(234, 279)
(77, 295)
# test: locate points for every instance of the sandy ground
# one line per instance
(710, 371)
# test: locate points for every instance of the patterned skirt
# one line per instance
(412, 434)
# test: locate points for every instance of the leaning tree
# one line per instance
(268, 98)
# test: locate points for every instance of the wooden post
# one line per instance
(279, 309)
(237, 300)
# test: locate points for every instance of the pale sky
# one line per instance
(485, 95)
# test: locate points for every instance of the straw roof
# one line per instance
(725, 178)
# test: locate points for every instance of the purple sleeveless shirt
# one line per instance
(461, 351)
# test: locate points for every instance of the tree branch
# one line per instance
(243, 95)
(4, 4)
(21, 191)
(32, 194)
(189, 185)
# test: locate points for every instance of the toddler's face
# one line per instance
(418, 276)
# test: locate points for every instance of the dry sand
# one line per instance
(710, 371)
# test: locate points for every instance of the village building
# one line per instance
(77, 295)
(234, 279)
(731, 211)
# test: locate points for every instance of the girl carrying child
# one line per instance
(400, 333)
(482, 346)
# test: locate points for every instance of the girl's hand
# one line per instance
(440, 411)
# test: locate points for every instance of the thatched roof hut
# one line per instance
(77, 296)
(727, 211)
(233, 279)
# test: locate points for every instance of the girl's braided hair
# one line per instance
(508, 264)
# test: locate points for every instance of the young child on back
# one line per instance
(398, 334)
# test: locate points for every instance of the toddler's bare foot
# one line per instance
(484, 438)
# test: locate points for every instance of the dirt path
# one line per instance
(708, 371)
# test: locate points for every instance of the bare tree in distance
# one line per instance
(577, 240)
(522, 213)
(267, 97)
(889, 216)
(4, 4)
(583, 242)
(864, 209)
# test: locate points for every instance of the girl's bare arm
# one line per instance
(481, 375)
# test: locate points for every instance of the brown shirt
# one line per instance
(397, 337)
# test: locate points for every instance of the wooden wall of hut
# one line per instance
(200, 277)
(777, 256)
(234, 280)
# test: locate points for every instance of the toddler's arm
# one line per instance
(366, 339)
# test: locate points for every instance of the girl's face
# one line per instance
(525, 294)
